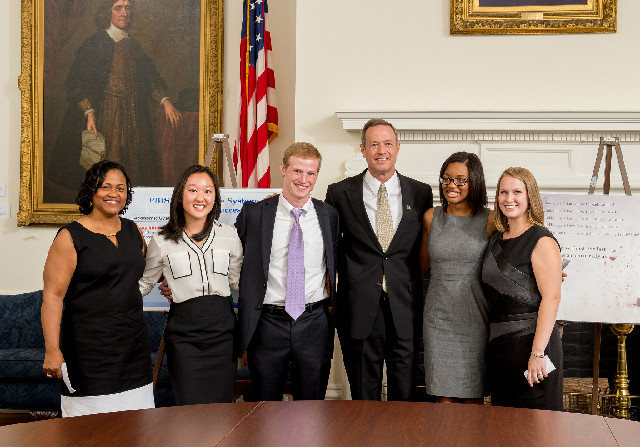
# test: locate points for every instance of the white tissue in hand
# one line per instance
(65, 378)
(550, 367)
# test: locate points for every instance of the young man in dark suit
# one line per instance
(378, 305)
(276, 336)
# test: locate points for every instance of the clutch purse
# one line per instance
(93, 148)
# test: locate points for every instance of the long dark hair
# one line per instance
(93, 179)
(174, 228)
(477, 189)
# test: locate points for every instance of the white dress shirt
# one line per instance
(370, 187)
(314, 256)
(192, 271)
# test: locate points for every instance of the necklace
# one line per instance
(110, 234)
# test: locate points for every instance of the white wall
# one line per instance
(22, 250)
(381, 55)
(341, 55)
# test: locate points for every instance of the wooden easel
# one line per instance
(609, 144)
(160, 357)
(223, 140)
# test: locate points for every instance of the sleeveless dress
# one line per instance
(104, 337)
(455, 313)
(514, 300)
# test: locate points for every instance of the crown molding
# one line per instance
(468, 125)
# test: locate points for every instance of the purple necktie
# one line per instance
(294, 297)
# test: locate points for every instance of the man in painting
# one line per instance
(108, 89)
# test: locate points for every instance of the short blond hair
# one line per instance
(302, 150)
(535, 209)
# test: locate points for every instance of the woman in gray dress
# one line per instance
(454, 241)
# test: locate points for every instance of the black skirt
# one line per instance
(508, 358)
(199, 341)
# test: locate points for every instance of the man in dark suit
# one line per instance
(278, 338)
(379, 297)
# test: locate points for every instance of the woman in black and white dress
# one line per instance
(201, 259)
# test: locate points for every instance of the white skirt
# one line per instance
(136, 399)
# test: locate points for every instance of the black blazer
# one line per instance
(255, 229)
(361, 261)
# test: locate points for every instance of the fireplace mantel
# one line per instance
(498, 121)
(558, 147)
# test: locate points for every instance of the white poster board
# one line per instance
(150, 210)
(600, 236)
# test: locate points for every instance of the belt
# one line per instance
(280, 310)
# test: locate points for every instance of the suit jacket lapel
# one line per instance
(325, 228)
(268, 220)
(408, 199)
(354, 194)
(321, 212)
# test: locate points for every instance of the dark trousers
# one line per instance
(200, 350)
(364, 359)
(280, 344)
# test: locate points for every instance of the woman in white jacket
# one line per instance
(201, 259)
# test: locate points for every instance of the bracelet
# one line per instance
(538, 356)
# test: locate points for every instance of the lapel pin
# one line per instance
(409, 207)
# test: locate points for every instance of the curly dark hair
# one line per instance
(173, 229)
(477, 188)
(93, 179)
(103, 14)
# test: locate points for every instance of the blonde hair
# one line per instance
(535, 209)
(302, 150)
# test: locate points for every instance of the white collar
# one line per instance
(373, 183)
(287, 207)
(116, 33)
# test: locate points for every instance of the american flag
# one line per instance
(258, 123)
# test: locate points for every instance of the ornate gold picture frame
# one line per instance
(533, 16)
(182, 42)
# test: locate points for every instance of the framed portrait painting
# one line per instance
(138, 82)
(532, 16)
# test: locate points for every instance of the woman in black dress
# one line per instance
(99, 344)
(522, 273)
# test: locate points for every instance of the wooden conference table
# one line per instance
(327, 423)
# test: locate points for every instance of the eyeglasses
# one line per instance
(456, 181)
